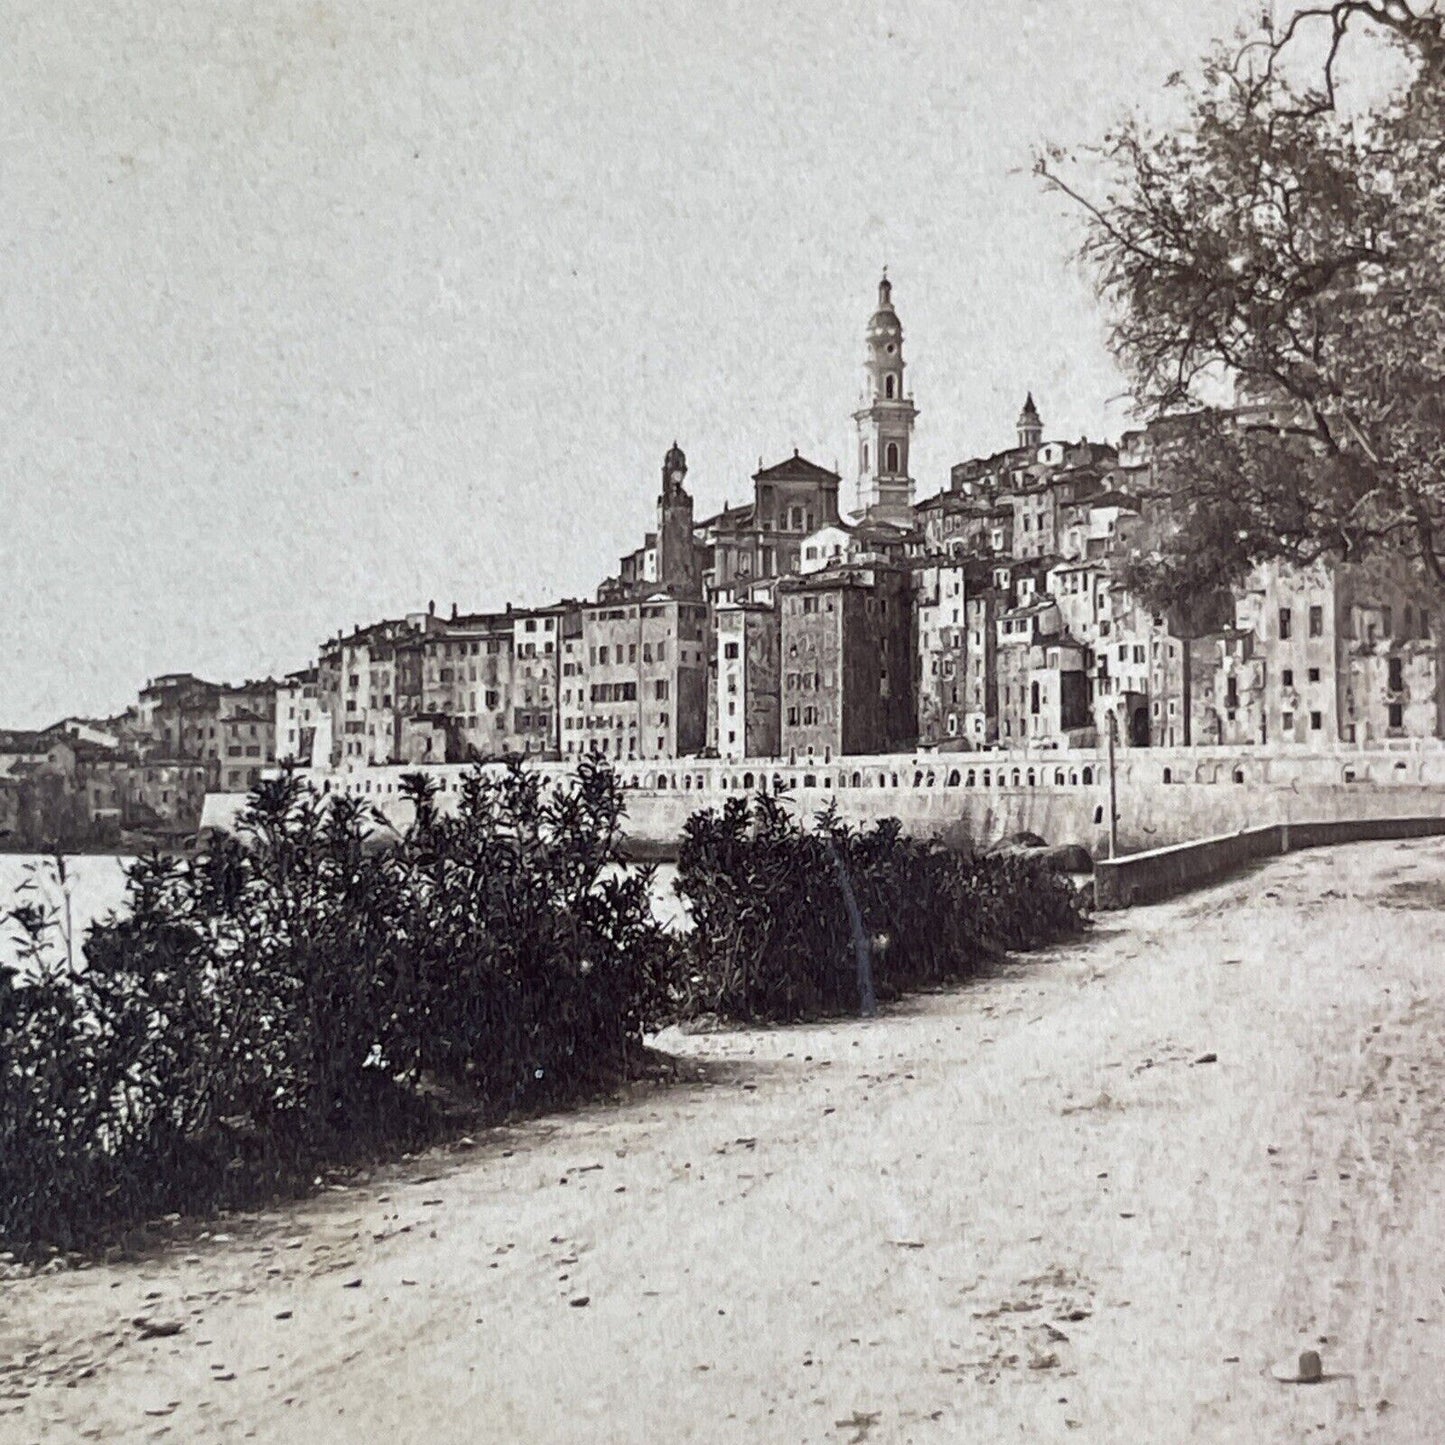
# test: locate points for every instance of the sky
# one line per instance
(311, 314)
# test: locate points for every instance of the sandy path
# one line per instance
(1020, 1212)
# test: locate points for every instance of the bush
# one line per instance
(792, 924)
(281, 1003)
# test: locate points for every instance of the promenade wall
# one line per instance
(1165, 796)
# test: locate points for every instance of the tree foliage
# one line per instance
(1282, 242)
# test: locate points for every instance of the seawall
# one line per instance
(1164, 796)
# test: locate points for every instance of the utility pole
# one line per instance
(1113, 788)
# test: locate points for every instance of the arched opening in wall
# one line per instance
(810, 780)
(882, 780)
(1239, 775)
(857, 780)
(1350, 776)
(893, 779)
(326, 786)
(971, 780)
(1088, 777)
(929, 781)
(1139, 728)
(1016, 777)
(952, 779)
(701, 781)
(890, 386)
(1030, 777)
(748, 781)
(1058, 777)
(1099, 814)
(918, 780)
(1073, 778)
(661, 782)
(777, 783)
(892, 458)
(987, 778)
(1400, 770)
(827, 782)
(686, 781)
(865, 456)
(1168, 776)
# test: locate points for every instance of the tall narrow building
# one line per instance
(885, 420)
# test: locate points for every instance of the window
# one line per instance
(1387, 621)
(602, 656)
(1314, 674)
(1315, 722)
(892, 458)
(1317, 621)
(1286, 720)
(659, 689)
(1397, 675)
(1397, 715)
(1287, 677)
(1284, 624)
(890, 385)
(730, 650)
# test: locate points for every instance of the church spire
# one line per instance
(1031, 429)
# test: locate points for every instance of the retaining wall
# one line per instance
(1160, 873)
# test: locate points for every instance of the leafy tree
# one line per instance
(1283, 242)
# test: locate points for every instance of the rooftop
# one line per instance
(797, 469)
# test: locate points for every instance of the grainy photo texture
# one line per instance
(722, 722)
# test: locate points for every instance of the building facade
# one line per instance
(748, 697)
(846, 637)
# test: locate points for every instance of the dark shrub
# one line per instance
(275, 1004)
(773, 937)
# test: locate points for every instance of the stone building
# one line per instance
(1346, 652)
(1228, 694)
(748, 699)
(367, 682)
(247, 747)
(634, 681)
(847, 661)
(855, 543)
(297, 710)
(982, 606)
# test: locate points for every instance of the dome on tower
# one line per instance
(674, 461)
(884, 321)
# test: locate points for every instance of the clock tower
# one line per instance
(885, 419)
(677, 560)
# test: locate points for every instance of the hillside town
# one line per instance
(819, 618)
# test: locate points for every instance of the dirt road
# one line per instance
(1094, 1200)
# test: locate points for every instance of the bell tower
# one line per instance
(1031, 429)
(885, 419)
(677, 561)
